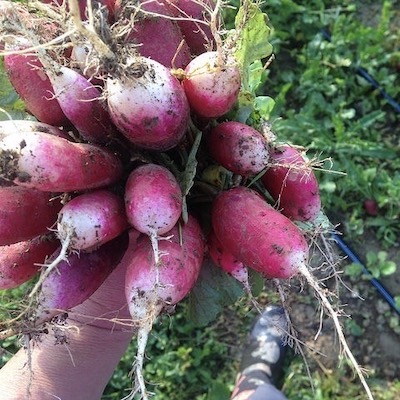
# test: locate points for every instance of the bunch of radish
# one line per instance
(130, 111)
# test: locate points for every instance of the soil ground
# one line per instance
(372, 327)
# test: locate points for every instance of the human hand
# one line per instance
(97, 333)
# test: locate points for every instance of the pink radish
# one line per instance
(258, 235)
(91, 219)
(292, 183)
(153, 201)
(212, 84)
(194, 21)
(25, 213)
(85, 223)
(152, 288)
(77, 278)
(149, 107)
(154, 25)
(81, 102)
(239, 148)
(30, 81)
(12, 126)
(19, 261)
(49, 163)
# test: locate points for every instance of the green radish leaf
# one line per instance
(388, 268)
(264, 105)
(250, 38)
(252, 44)
(189, 174)
(214, 290)
(11, 106)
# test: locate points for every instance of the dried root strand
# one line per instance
(333, 314)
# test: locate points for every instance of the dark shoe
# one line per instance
(265, 347)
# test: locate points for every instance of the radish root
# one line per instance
(48, 268)
(320, 292)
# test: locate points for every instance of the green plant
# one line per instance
(379, 265)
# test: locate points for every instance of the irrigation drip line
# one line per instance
(339, 241)
(374, 281)
(363, 73)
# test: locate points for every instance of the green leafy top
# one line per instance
(252, 45)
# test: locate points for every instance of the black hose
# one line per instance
(363, 73)
(374, 281)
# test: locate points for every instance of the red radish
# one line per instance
(371, 207)
(85, 223)
(212, 84)
(258, 235)
(151, 288)
(24, 125)
(149, 107)
(153, 201)
(194, 20)
(77, 278)
(239, 148)
(49, 163)
(91, 219)
(30, 81)
(292, 183)
(19, 261)
(154, 25)
(25, 213)
(81, 102)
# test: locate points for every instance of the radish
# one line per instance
(91, 219)
(153, 25)
(24, 125)
(19, 261)
(77, 278)
(239, 148)
(292, 183)
(212, 84)
(49, 163)
(85, 223)
(25, 213)
(151, 288)
(153, 201)
(81, 102)
(149, 106)
(194, 22)
(32, 84)
(258, 235)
